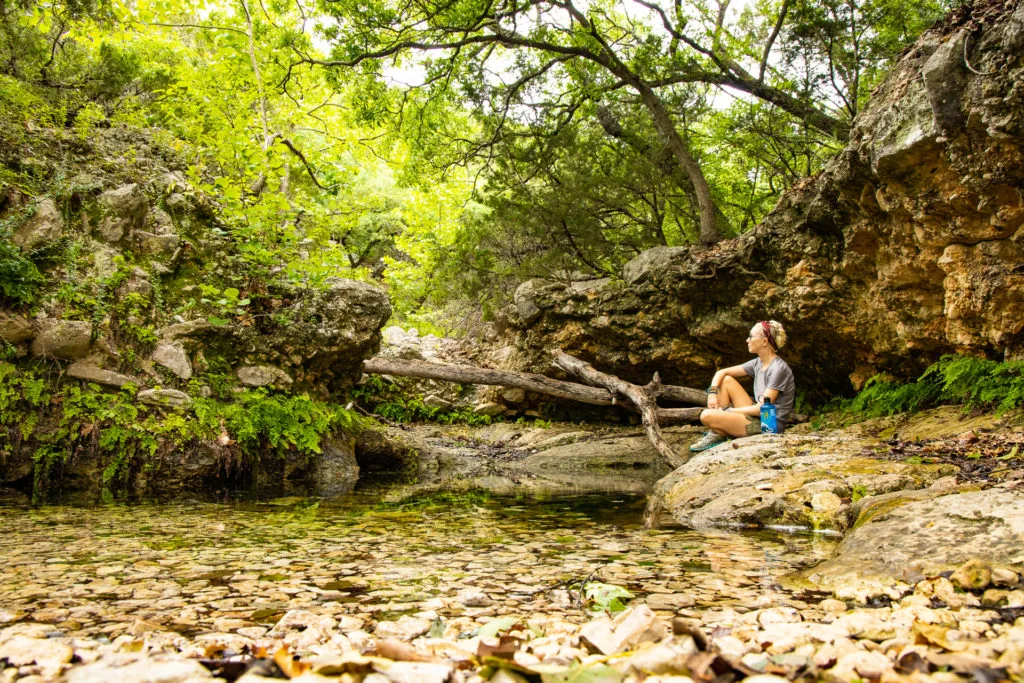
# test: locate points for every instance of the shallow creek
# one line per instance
(97, 572)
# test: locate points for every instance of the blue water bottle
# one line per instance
(769, 419)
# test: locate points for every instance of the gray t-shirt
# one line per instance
(776, 375)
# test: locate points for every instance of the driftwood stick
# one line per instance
(644, 403)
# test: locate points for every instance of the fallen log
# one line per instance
(471, 374)
(636, 394)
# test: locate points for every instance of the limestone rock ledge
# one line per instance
(804, 481)
(903, 540)
(908, 245)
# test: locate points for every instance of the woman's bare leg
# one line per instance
(730, 395)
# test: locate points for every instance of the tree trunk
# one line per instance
(644, 403)
(709, 233)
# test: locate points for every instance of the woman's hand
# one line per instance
(712, 400)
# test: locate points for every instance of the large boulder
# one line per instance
(798, 480)
(43, 227)
(67, 339)
(329, 333)
(906, 246)
(336, 471)
(121, 211)
(903, 539)
(14, 329)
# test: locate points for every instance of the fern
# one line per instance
(967, 381)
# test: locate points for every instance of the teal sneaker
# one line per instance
(709, 440)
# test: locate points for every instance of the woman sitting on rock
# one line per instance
(731, 412)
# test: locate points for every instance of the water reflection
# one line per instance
(195, 567)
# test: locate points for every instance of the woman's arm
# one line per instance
(716, 382)
(734, 371)
(756, 408)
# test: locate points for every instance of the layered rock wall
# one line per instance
(907, 246)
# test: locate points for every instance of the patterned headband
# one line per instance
(767, 328)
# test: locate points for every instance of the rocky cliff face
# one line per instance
(115, 270)
(140, 284)
(908, 245)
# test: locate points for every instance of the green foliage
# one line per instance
(955, 379)
(260, 420)
(20, 279)
(71, 419)
(605, 597)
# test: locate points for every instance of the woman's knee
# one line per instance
(730, 381)
(705, 415)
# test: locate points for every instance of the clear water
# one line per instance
(94, 571)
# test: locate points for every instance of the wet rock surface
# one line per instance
(901, 541)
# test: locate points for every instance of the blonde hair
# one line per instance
(778, 334)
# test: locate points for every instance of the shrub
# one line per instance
(20, 279)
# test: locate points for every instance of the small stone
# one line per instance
(489, 409)
(513, 395)
(128, 668)
(632, 627)
(185, 328)
(861, 664)
(972, 575)
(68, 339)
(826, 502)
(1005, 577)
(169, 398)
(473, 597)
(156, 245)
(669, 601)
(758, 661)
(438, 403)
(43, 227)
(832, 606)
(49, 654)
(123, 209)
(90, 372)
(415, 672)
(406, 628)
(15, 329)
(994, 597)
(262, 376)
(778, 615)
(172, 355)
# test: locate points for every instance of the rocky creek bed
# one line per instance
(478, 567)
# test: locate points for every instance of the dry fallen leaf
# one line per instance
(289, 664)
(396, 650)
(936, 635)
